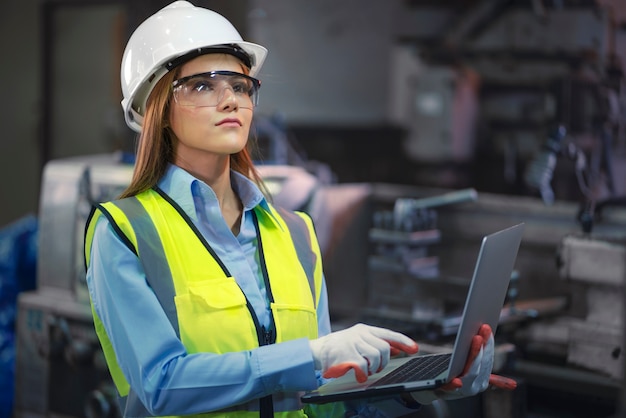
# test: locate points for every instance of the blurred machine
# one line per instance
(60, 369)
(405, 287)
(563, 315)
(487, 84)
(598, 264)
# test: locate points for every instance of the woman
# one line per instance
(207, 299)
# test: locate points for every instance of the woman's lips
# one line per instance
(229, 122)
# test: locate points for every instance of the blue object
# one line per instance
(18, 262)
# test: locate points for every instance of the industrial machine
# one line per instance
(60, 369)
(486, 88)
(405, 285)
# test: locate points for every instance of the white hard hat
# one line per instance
(175, 33)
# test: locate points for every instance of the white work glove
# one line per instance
(476, 376)
(364, 348)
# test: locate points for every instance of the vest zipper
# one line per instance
(268, 336)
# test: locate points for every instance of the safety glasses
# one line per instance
(209, 89)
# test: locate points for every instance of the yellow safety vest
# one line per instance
(198, 293)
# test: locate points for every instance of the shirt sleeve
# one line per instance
(154, 361)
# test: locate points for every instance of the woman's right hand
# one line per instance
(362, 348)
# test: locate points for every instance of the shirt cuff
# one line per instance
(287, 366)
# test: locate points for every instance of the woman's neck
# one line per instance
(216, 174)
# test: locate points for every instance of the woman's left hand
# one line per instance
(476, 376)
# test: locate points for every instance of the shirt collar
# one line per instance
(183, 188)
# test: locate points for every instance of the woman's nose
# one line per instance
(227, 98)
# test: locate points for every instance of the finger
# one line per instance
(339, 370)
(502, 382)
(397, 348)
(485, 332)
(392, 336)
(375, 351)
(455, 383)
(376, 360)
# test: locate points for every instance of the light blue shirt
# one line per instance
(167, 379)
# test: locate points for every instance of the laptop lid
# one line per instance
(484, 301)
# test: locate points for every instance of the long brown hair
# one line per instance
(156, 143)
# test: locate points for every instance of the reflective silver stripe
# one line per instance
(152, 256)
(158, 276)
(302, 242)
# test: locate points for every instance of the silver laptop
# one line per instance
(483, 305)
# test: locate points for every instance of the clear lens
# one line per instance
(209, 89)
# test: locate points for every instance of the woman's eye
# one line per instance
(241, 87)
(202, 86)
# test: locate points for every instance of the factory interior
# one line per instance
(407, 129)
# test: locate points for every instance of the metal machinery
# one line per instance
(533, 68)
(60, 369)
(404, 281)
(416, 263)
(488, 86)
(565, 322)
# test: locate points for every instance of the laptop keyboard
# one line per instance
(419, 368)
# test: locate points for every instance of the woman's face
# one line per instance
(220, 129)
